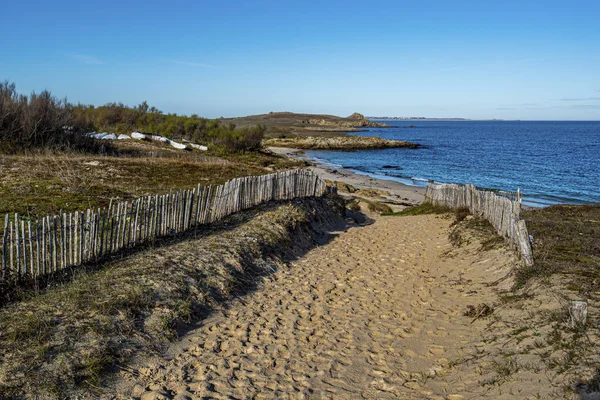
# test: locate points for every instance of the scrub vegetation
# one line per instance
(566, 241)
(42, 121)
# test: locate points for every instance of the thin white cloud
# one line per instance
(194, 64)
(86, 59)
(582, 99)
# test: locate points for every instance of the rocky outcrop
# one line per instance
(348, 123)
(346, 143)
(356, 116)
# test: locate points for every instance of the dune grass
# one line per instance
(566, 242)
(421, 209)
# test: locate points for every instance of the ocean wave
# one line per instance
(421, 179)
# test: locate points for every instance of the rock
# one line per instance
(356, 116)
(137, 390)
(391, 167)
(346, 143)
(412, 385)
(154, 396)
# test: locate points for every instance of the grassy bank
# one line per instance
(42, 183)
(567, 243)
(66, 340)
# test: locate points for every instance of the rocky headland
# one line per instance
(345, 143)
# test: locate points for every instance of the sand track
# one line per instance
(376, 313)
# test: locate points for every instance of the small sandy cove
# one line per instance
(399, 193)
(376, 313)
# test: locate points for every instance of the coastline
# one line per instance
(343, 143)
(401, 195)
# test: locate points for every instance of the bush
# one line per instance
(43, 121)
(246, 139)
(40, 121)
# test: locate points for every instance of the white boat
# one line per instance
(124, 137)
(138, 136)
(159, 138)
(177, 145)
(198, 146)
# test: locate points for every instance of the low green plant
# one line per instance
(377, 206)
(566, 242)
(421, 209)
(353, 206)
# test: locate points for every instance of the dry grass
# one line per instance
(36, 185)
(566, 242)
(341, 186)
(66, 339)
(376, 206)
(371, 192)
(422, 209)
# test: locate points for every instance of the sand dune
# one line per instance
(376, 313)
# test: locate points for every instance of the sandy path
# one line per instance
(376, 313)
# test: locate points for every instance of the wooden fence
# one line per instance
(35, 248)
(501, 210)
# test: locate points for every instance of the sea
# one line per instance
(552, 162)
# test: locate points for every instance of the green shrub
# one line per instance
(43, 121)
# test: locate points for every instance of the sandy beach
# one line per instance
(400, 194)
(356, 318)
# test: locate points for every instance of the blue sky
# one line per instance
(474, 59)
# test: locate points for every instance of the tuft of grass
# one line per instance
(341, 186)
(422, 209)
(506, 367)
(370, 192)
(460, 215)
(353, 206)
(377, 206)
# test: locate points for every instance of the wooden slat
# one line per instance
(12, 240)
(38, 248)
(17, 246)
(5, 248)
(31, 259)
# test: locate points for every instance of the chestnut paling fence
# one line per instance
(34, 248)
(502, 210)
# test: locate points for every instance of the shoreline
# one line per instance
(342, 142)
(408, 193)
(401, 195)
